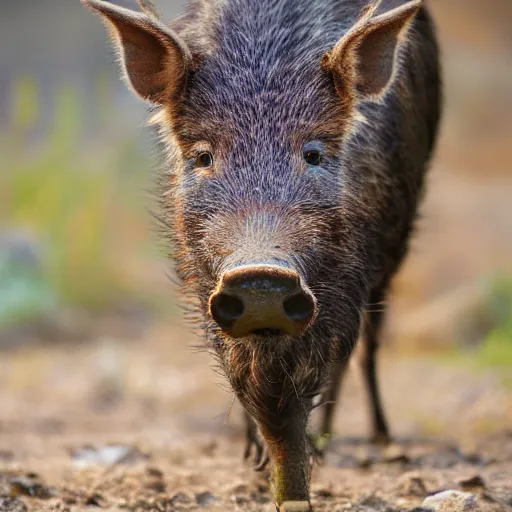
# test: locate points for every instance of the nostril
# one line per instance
(226, 308)
(299, 307)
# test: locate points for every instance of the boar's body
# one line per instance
(260, 93)
(298, 136)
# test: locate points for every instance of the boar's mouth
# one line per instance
(268, 332)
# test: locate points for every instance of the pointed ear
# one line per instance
(150, 9)
(154, 59)
(363, 61)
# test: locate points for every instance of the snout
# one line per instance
(262, 299)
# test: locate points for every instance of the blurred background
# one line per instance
(88, 319)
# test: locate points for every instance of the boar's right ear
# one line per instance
(155, 61)
(363, 61)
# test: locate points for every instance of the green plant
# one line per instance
(80, 195)
(497, 347)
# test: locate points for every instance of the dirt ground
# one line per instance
(147, 426)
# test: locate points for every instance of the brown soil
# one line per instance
(180, 449)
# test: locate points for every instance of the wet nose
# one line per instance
(262, 299)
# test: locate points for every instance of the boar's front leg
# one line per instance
(288, 447)
(279, 402)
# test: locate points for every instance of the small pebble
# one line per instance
(240, 500)
(107, 455)
(180, 498)
(473, 482)
(206, 499)
(95, 500)
(450, 501)
(411, 484)
(29, 486)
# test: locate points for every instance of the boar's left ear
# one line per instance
(155, 61)
(363, 61)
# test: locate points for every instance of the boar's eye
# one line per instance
(312, 155)
(204, 160)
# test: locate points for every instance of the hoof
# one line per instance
(295, 506)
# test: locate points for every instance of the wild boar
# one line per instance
(298, 135)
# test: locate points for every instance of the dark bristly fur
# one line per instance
(254, 83)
